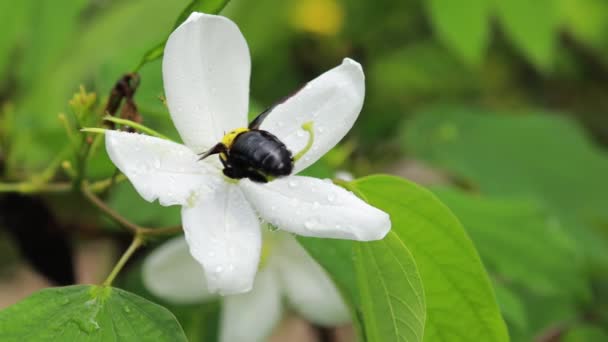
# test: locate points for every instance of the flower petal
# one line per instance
(313, 207)
(160, 168)
(251, 317)
(224, 236)
(206, 68)
(308, 288)
(172, 261)
(332, 102)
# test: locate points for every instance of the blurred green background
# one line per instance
(500, 107)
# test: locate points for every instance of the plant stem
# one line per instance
(160, 231)
(102, 185)
(113, 214)
(32, 187)
(101, 205)
(135, 244)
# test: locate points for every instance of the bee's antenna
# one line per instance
(218, 148)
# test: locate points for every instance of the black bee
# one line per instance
(253, 153)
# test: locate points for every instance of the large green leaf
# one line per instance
(88, 313)
(464, 26)
(200, 321)
(532, 26)
(586, 333)
(461, 305)
(381, 282)
(390, 290)
(507, 234)
(13, 16)
(543, 157)
(587, 20)
(511, 307)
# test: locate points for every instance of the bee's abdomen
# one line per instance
(262, 151)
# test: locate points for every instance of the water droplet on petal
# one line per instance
(219, 269)
(321, 129)
(310, 224)
(157, 163)
(300, 133)
(293, 183)
(331, 197)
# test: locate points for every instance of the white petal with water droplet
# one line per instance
(307, 286)
(172, 261)
(224, 236)
(251, 317)
(206, 68)
(161, 169)
(316, 208)
(331, 101)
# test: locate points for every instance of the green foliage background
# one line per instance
(506, 100)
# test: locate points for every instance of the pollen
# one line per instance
(228, 139)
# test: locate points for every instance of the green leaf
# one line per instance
(88, 313)
(463, 26)
(390, 290)
(205, 6)
(511, 306)
(13, 16)
(586, 333)
(533, 27)
(461, 305)
(546, 158)
(587, 20)
(380, 281)
(507, 232)
(200, 321)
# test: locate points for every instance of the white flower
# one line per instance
(206, 68)
(288, 272)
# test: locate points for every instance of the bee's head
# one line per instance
(229, 137)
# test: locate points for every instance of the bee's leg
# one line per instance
(255, 176)
(233, 173)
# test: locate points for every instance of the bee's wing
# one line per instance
(257, 122)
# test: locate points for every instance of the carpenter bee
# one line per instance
(253, 153)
